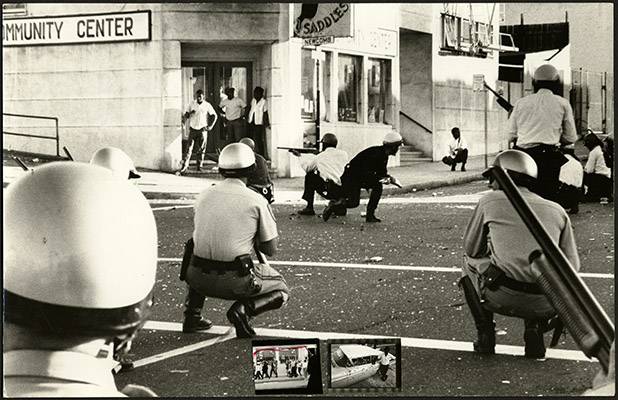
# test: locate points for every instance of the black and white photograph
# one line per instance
(424, 188)
(287, 366)
(365, 364)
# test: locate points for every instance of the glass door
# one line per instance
(213, 78)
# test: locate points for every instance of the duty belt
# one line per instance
(220, 267)
(495, 278)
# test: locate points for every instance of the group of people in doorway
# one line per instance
(73, 329)
(237, 121)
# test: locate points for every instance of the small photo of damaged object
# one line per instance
(287, 366)
(365, 364)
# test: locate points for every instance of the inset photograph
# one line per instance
(287, 366)
(365, 364)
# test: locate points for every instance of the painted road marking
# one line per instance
(434, 344)
(225, 333)
(385, 267)
(293, 198)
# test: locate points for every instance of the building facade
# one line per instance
(106, 89)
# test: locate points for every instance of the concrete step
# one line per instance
(409, 154)
(404, 162)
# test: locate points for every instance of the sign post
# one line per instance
(478, 84)
(320, 23)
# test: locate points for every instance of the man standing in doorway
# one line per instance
(198, 115)
(233, 108)
(258, 120)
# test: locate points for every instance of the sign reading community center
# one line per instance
(313, 20)
(76, 29)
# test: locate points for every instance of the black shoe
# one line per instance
(328, 211)
(307, 211)
(372, 218)
(574, 210)
(463, 168)
(192, 325)
(453, 167)
(534, 344)
(238, 317)
(486, 343)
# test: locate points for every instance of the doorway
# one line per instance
(213, 78)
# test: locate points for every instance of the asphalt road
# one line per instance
(346, 293)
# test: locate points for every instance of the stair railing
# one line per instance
(55, 119)
(416, 122)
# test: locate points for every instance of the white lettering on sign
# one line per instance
(117, 27)
(322, 19)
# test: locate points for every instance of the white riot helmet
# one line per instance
(236, 160)
(520, 166)
(80, 252)
(392, 138)
(546, 72)
(116, 160)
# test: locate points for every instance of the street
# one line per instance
(348, 279)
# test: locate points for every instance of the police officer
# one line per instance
(323, 172)
(117, 161)
(231, 221)
(259, 179)
(367, 170)
(538, 125)
(497, 276)
(79, 272)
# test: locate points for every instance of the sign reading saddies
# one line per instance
(322, 19)
(71, 29)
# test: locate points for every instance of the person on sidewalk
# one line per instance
(384, 364)
(496, 274)
(233, 107)
(258, 120)
(259, 179)
(198, 115)
(323, 172)
(80, 263)
(571, 180)
(231, 221)
(539, 123)
(367, 170)
(597, 176)
(458, 151)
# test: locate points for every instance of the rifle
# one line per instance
(300, 149)
(504, 103)
(575, 305)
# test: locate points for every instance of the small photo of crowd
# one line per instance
(365, 364)
(287, 366)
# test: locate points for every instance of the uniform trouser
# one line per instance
(195, 144)
(597, 186)
(503, 300)
(235, 130)
(548, 160)
(230, 286)
(352, 192)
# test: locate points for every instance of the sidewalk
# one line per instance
(167, 186)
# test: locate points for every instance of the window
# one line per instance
(349, 88)
(307, 78)
(378, 87)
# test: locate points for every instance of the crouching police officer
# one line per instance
(230, 221)
(79, 271)
(497, 276)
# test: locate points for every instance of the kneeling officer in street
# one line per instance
(231, 221)
(497, 276)
(79, 272)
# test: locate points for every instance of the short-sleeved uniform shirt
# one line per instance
(542, 118)
(497, 231)
(228, 218)
(44, 373)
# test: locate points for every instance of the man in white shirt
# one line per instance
(324, 172)
(541, 122)
(198, 114)
(597, 175)
(384, 364)
(233, 108)
(258, 120)
(458, 151)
